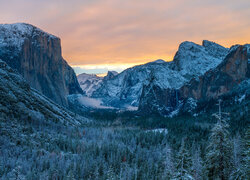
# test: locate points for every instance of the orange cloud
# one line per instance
(116, 32)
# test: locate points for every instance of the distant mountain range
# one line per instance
(90, 82)
(198, 73)
(197, 76)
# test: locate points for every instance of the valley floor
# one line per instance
(110, 147)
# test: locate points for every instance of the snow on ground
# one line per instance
(242, 98)
(131, 108)
(159, 130)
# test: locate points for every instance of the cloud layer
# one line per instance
(116, 32)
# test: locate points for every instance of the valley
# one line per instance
(159, 120)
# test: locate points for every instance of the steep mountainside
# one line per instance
(37, 56)
(213, 84)
(191, 60)
(21, 102)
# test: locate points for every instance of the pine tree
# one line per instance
(70, 175)
(247, 155)
(111, 174)
(197, 164)
(169, 165)
(184, 163)
(219, 151)
(16, 174)
(244, 171)
(237, 171)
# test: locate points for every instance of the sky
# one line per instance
(102, 35)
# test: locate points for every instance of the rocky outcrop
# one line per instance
(37, 56)
(213, 84)
(110, 75)
(19, 101)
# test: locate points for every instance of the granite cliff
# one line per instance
(37, 56)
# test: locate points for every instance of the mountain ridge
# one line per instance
(191, 60)
(160, 86)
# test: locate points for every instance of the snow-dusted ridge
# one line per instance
(18, 97)
(15, 34)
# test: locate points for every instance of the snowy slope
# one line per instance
(19, 101)
(191, 60)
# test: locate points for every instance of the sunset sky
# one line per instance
(101, 35)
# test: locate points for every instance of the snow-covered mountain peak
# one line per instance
(215, 49)
(21, 28)
(194, 59)
(15, 34)
(159, 61)
(110, 75)
(85, 76)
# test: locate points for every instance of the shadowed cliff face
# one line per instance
(216, 82)
(18, 101)
(36, 55)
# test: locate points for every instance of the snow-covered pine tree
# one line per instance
(184, 163)
(237, 171)
(244, 171)
(197, 164)
(247, 155)
(16, 174)
(219, 150)
(169, 165)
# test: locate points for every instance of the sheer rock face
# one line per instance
(36, 55)
(214, 83)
